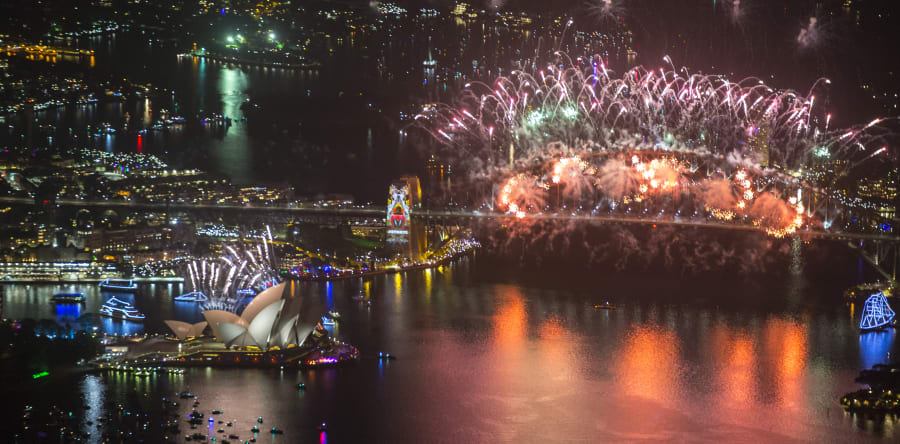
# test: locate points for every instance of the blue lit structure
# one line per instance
(194, 296)
(119, 309)
(876, 313)
(118, 285)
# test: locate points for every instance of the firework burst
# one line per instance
(637, 136)
(245, 270)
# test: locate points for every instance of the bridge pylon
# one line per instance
(882, 255)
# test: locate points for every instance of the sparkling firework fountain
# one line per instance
(240, 272)
(640, 136)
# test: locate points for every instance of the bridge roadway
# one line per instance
(447, 214)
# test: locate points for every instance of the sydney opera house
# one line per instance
(274, 319)
(279, 326)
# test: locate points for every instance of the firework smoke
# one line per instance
(810, 35)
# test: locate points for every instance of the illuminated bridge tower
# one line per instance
(404, 196)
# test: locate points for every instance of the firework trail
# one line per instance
(238, 271)
(584, 103)
(571, 123)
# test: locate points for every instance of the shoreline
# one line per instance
(384, 270)
(90, 280)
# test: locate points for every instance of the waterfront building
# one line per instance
(275, 319)
(184, 331)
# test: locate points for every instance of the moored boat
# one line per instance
(119, 309)
(126, 285)
(194, 296)
(604, 306)
(68, 298)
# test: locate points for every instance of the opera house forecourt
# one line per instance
(279, 327)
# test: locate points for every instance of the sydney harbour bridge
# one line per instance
(564, 140)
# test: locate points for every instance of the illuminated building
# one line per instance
(54, 271)
(759, 143)
(274, 319)
(117, 241)
(436, 169)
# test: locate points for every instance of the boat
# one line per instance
(277, 431)
(383, 355)
(604, 306)
(334, 314)
(327, 321)
(301, 386)
(216, 412)
(259, 420)
(255, 429)
(118, 285)
(322, 427)
(119, 309)
(877, 313)
(194, 296)
(68, 298)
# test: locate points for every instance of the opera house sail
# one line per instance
(275, 319)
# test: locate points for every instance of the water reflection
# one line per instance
(875, 347)
(509, 322)
(785, 348)
(649, 364)
(507, 360)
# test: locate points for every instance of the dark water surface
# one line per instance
(489, 352)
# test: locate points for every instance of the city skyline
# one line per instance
(411, 221)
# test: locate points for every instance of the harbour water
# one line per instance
(488, 351)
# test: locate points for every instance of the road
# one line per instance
(427, 213)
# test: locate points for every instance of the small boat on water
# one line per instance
(327, 321)
(119, 309)
(68, 298)
(334, 314)
(126, 285)
(383, 355)
(194, 296)
(604, 306)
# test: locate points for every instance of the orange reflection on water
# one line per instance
(649, 363)
(398, 287)
(427, 285)
(510, 320)
(557, 349)
(785, 349)
(735, 355)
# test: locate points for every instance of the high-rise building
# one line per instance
(759, 144)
